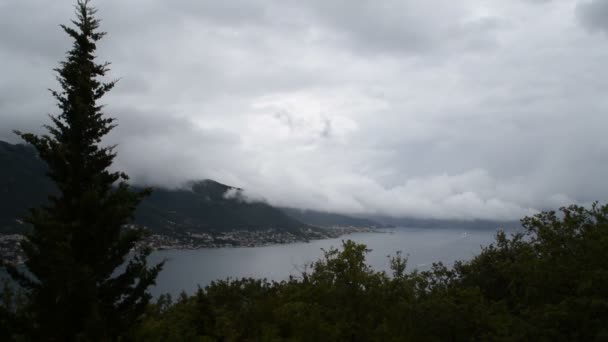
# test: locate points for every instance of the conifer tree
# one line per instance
(83, 280)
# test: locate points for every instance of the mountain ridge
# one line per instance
(198, 206)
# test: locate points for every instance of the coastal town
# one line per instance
(11, 253)
(247, 238)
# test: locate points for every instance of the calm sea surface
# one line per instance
(186, 269)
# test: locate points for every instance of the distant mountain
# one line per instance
(201, 206)
(443, 223)
(325, 219)
(23, 183)
(210, 206)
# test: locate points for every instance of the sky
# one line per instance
(430, 109)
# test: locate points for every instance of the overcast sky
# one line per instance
(445, 109)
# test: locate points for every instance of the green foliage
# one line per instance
(77, 240)
(552, 279)
(13, 316)
(547, 283)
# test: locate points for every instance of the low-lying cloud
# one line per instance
(468, 109)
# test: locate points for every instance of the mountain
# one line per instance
(23, 184)
(206, 206)
(200, 206)
(325, 219)
(447, 224)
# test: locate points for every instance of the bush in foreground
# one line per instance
(548, 282)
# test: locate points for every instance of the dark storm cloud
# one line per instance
(594, 15)
(451, 109)
(408, 27)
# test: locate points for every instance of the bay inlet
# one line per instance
(186, 270)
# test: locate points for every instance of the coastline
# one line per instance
(249, 238)
(11, 253)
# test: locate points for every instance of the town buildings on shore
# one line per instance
(11, 252)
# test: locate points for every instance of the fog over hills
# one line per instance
(480, 110)
(204, 205)
(197, 206)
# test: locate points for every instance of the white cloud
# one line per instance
(450, 109)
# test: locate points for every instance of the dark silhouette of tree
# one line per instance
(79, 241)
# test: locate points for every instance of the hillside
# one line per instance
(326, 219)
(200, 206)
(203, 206)
(23, 184)
(446, 223)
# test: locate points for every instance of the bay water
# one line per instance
(186, 270)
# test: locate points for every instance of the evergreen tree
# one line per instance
(83, 282)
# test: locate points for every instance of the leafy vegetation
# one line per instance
(547, 283)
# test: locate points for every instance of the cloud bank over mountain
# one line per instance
(444, 109)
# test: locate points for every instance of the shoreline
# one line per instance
(249, 239)
(11, 253)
